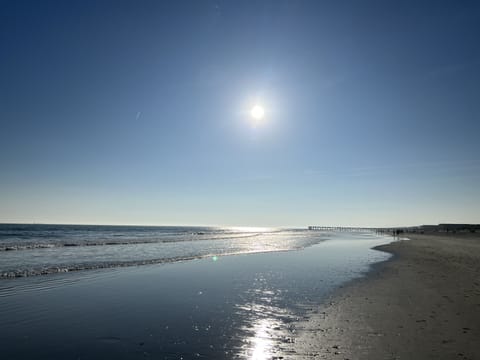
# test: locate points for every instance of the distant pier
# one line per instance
(390, 231)
(420, 229)
(340, 228)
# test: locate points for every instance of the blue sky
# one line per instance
(137, 112)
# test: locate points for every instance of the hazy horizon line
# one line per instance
(228, 226)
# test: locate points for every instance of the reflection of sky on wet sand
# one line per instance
(269, 309)
(238, 307)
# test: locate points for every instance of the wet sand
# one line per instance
(422, 304)
(223, 307)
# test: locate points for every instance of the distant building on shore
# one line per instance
(447, 228)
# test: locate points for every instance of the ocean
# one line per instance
(79, 292)
(44, 249)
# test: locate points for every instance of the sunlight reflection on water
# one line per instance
(267, 333)
(262, 343)
(268, 326)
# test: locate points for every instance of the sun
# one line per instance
(257, 112)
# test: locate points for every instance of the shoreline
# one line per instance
(422, 303)
(244, 306)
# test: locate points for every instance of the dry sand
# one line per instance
(422, 304)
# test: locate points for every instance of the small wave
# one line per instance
(194, 237)
(79, 267)
(47, 270)
(13, 247)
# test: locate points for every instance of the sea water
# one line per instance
(213, 306)
(27, 250)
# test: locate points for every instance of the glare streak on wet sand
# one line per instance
(424, 304)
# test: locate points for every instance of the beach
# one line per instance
(245, 305)
(424, 303)
(328, 295)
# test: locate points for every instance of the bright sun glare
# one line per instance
(257, 112)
